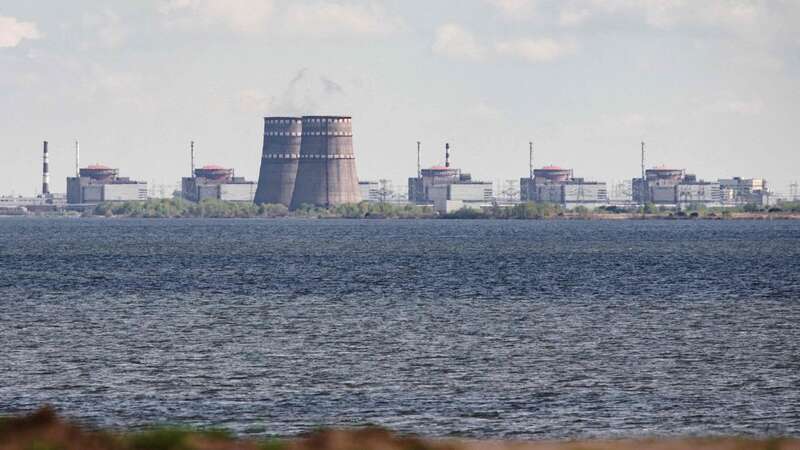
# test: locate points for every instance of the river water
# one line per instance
(493, 329)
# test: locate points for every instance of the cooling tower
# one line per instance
(326, 175)
(279, 160)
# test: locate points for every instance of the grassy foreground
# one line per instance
(43, 430)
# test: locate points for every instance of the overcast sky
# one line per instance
(713, 86)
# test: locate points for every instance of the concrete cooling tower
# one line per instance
(279, 160)
(326, 175)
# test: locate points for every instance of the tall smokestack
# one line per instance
(419, 167)
(447, 155)
(77, 159)
(530, 161)
(45, 172)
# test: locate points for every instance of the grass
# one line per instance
(160, 439)
(43, 430)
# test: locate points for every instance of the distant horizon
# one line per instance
(712, 87)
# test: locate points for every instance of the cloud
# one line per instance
(304, 18)
(242, 16)
(535, 50)
(325, 19)
(484, 112)
(573, 15)
(108, 29)
(737, 106)
(667, 14)
(12, 31)
(514, 9)
(456, 42)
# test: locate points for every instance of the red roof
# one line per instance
(98, 167)
(439, 168)
(213, 167)
(552, 168)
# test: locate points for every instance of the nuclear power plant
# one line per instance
(308, 161)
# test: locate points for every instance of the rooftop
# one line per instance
(97, 167)
(213, 167)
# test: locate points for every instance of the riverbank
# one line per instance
(44, 430)
(212, 209)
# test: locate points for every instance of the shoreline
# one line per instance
(561, 217)
(45, 430)
(180, 209)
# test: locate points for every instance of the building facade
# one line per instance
(740, 191)
(557, 185)
(447, 198)
(217, 183)
(370, 191)
(98, 183)
(674, 187)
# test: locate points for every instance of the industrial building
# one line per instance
(740, 191)
(98, 183)
(448, 188)
(308, 161)
(217, 183)
(447, 198)
(370, 191)
(553, 184)
(668, 186)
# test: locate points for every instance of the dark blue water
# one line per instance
(476, 328)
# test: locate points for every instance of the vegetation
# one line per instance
(177, 208)
(43, 430)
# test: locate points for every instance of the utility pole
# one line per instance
(385, 191)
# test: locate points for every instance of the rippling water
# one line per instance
(476, 328)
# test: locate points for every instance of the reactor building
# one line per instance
(98, 183)
(673, 187)
(308, 161)
(449, 189)
(217, 183)
(668, 186)
(553, 184)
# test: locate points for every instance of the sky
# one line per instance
(712, 86)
